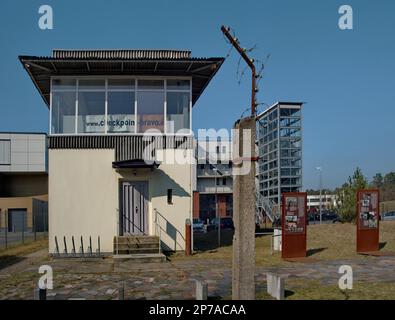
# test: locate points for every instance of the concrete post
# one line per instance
(243, 267)
(275, 286)
(201, 290)
(277, 239)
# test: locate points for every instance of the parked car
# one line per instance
(198, 226)
(226, 223)
(330, 216)
(388, 216)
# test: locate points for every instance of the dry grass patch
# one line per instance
(303, 289)
(18, 252)
(324, 242)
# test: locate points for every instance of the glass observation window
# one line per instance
(91, 85)
(121, 84)
(121, 111)
(178, 85)
(150, 110)
(178, 116)
(91, 112)
(63, 112)
(120, 105)
(64, 84)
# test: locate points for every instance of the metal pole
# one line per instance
(45, 223)
(23, 227)
(320, 170)
(34, 225)
(6, 228)
(217, 209)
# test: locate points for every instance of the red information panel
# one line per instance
(368, 220)
(294, 225)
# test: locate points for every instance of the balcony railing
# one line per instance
(213, 189)
(213, 173)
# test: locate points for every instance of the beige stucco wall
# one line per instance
(84, 197)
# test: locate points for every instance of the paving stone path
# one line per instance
(102, 278)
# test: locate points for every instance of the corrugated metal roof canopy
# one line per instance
(120, 54)
(121, 62)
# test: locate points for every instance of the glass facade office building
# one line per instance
(280, 150)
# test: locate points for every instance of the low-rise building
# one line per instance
(214, 178)
(327, 201)
(23, 182)
(120, 144)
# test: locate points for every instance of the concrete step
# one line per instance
(136, 250)
(136, 245)
(141, 258)
(136, 239)
(130, 245)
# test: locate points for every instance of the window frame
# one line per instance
(136, 90)
(169, 196)
(9, 156)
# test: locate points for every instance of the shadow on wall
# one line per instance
(164, 226)
(160, 182)
(166, 182)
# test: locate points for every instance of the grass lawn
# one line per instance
(304, 289)
(386, 206)
(324, 242)
(17, 253)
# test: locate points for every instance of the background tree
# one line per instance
(387, 190)
(389, 178)
(378, 181)
(347, 195)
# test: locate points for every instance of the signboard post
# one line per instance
(294, 219)
(368, 220)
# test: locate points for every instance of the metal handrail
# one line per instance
(124, 216)
(160, 227)
(157, 227)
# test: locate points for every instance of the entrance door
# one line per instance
(134, 213)
(17, 220)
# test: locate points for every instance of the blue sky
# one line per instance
(346, 77)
